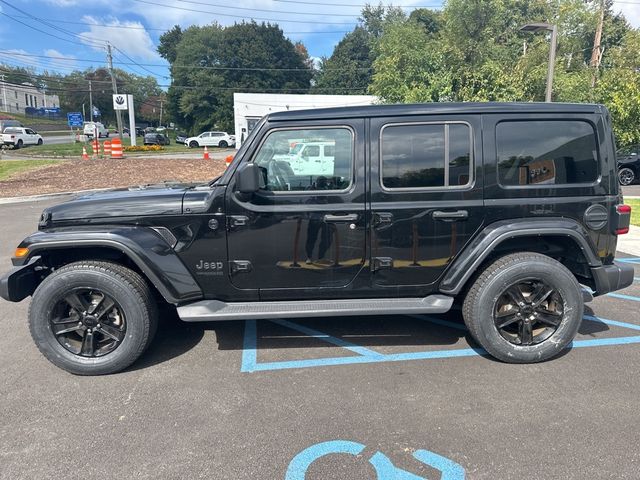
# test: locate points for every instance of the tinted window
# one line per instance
(287, 164)
(546, 152)
(419, 156)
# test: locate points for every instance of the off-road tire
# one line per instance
(495, 279)
(127, 287)
(626, 176)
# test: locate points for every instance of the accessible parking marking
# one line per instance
(365, 355)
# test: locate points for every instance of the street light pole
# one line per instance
(537, 27)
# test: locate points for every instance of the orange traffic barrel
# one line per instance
(106, 148)
(116, 148)
(95, 145)
(228, 160)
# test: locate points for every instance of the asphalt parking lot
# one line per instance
(405, 397)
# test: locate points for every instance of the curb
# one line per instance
(47, 196)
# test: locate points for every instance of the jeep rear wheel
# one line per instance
(626, 176)
(92, 318)
(524, 308)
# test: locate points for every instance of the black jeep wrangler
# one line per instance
(512, 209)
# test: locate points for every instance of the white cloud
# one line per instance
(630, 11)
(134, 39)
(61, 58)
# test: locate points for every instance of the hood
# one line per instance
(163, 199)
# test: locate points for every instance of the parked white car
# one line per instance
(18, 137)
(211, 139)
(91, 127)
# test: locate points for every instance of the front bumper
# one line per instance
(20, 282)
(609, 278)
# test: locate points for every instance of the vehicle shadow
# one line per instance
(175, 338)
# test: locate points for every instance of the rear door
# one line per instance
(426, 195)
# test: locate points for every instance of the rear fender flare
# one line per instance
(466, 264)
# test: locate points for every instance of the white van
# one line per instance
(91, 127)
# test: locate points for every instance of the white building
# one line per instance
(248, 108)
(16, 98)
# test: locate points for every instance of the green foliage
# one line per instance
(201, 95)
(348, 70)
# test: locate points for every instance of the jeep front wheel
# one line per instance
(92, 318)
(524, 308)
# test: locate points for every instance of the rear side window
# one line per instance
(423, 156)
(549, 152)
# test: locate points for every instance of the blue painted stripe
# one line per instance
(249, 354)
(325, 337)
(623, 296)
(615, 323)
(600, 342)
(628, 260)
(399, 357)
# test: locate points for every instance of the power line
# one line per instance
(142, 27)
(275, 20)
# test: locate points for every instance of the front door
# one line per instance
(303, 231)
(426, 196)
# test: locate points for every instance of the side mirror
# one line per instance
(248, 178)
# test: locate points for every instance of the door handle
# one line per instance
(348, 217)
(450, 216)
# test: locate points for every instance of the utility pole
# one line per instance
(596, 54)
(90, 102)
(160, 113)
(115, 89)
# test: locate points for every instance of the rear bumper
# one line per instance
(609, 278)
(20, 282)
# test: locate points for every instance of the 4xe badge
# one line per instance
(209, 268)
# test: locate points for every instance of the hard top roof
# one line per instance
(434, 108)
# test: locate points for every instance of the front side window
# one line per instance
(433, 155)
(546, 152)
(290, 160)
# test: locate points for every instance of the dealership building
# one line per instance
(15, 98)
(249, 108)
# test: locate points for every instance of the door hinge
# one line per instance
(382, 263)
(236, 221)
(240, 266)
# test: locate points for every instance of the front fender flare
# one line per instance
(488, 239)
(142, 245)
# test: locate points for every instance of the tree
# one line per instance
(348, 70)
(169, 40)
(213, 61)
(619, 88)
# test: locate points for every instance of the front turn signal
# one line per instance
(21, 252)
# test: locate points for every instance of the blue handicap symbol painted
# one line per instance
(384, 468)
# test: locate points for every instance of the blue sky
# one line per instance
(74, 32)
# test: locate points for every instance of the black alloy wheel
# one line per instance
(528, 313)
(88, 322)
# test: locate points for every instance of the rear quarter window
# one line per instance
(546, 152)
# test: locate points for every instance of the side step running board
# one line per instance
(208, 310)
